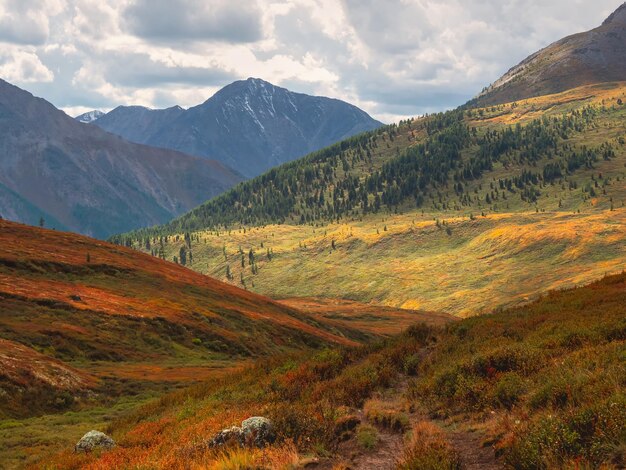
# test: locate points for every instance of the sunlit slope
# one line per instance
(487, 159)
(488, 262)
(464, 252)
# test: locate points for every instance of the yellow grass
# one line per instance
(494, 261)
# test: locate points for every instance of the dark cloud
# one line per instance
(180, 20)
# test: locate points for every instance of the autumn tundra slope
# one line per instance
(537, 387)
(97, 307)
(89, 329)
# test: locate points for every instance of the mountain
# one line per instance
(89, 116)
(138, 124)
(81, 178)
(594, 56)
(250, 125)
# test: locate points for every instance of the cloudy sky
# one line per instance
(393, 58)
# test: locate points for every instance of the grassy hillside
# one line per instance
(541, 386)
(477, 209)
(88, 329)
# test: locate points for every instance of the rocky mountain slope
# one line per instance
(137, 123)
(594, 56)
(249, 125)
(78, 177)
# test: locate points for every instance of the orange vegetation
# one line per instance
(74, 304)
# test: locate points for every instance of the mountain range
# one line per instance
(249, 125)
(78, 177)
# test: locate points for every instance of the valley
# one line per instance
(540, 386)
(447, 292)
(461, 252)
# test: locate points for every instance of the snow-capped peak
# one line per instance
(89, 116)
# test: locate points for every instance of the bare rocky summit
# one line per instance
(595, 56)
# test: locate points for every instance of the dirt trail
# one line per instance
(468, 444)
(388, 449)
(473, 455)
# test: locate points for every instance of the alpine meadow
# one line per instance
(431, 278)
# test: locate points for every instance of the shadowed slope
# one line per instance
(77, 176)
(86, 303)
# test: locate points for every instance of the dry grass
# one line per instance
(496, 261)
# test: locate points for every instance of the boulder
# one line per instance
(226, 437)
(254, 432)
(94, 440)
(257, 431)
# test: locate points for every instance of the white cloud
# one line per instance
(27, 22)
(393, 58)
(20, 66)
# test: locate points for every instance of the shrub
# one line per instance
(508, 390)
(411, 364)
(367, 437)
(428, 450)
(573, 340)
(588, 436)
(355, 384)
(420, 333)
(302, 424)
(559, 392)
(511, 358)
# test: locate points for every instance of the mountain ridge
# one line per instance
(585, 58)
(90, 116)
(249, 125)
